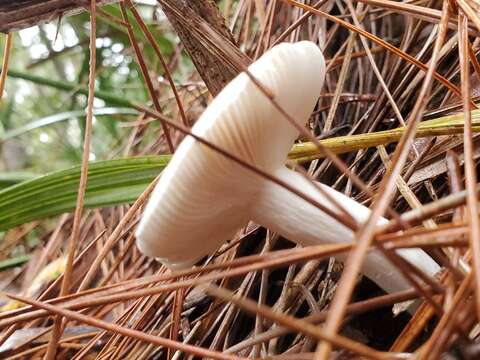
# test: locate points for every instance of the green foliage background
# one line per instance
(48, 70)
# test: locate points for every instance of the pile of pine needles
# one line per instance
(87, 292)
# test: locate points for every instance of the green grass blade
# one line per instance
(13, 262)
(64, 116)
(10, 178)
(70, 87)
(110, 182)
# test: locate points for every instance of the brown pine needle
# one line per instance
(399, 103)
(295, 324)
(470, 167)
(125, 331)
(380, 42)
(73, 244)
(6, 61)
(365, 235)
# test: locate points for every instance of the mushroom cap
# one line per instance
(202, 197)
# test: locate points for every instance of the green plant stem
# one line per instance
(67, 86)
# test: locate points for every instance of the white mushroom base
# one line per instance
(296, 219)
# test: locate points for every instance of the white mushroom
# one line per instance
(203, 198)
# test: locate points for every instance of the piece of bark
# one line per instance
(207, 39)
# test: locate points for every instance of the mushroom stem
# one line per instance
(296, 219)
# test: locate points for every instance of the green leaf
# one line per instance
(109, 183)
(13, 262)
(52, 119)
(445, 125)
(10, 178)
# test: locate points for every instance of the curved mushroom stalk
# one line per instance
(203, 197)
(296, 219)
